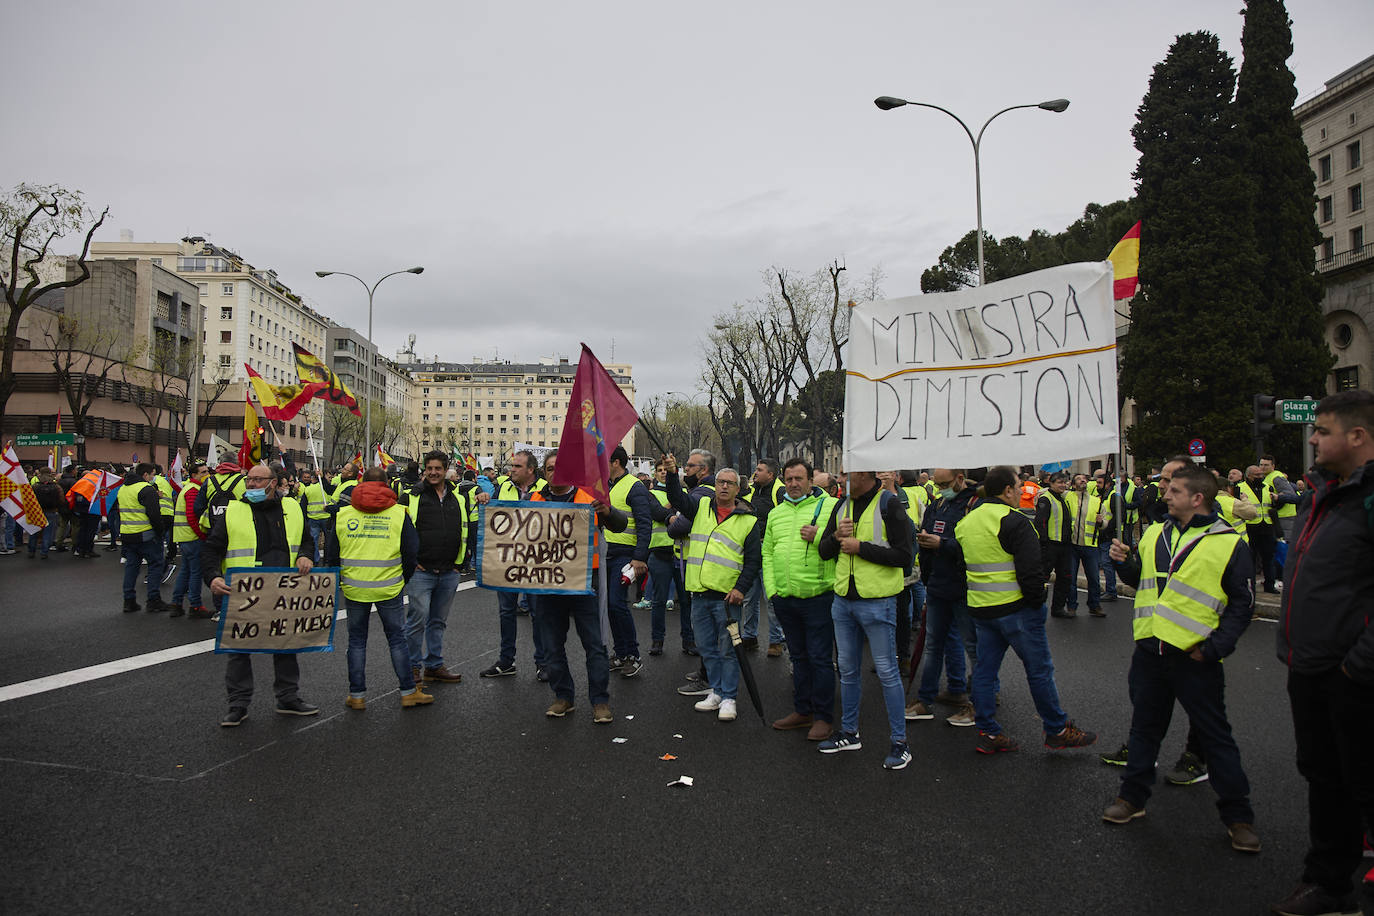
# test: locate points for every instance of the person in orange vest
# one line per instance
(556, 612)
(1030, 492)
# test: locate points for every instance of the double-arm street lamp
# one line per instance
(887, 103)
(371, 360)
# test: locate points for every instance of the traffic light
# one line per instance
(1264, 406)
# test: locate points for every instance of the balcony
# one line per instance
(1345, 259)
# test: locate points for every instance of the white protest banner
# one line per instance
(277, 609)
(540, 548)
(538, 451)
(1021, 371)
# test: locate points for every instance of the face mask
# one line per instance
(791, 499)
(690, 480)
(947, 493)
(255, 496)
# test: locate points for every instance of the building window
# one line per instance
(1343, 337)
(224, 360)
(1324, 168)
(226, 336)
(226, 289)
(1356, 198)
(1357, 238)
(1352, 152)
(157, 261)
(226, 313)
(1328, 248)
(1326, 210)
(204, 288)
(1347, 378)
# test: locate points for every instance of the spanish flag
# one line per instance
(280, 402)
(383, 460)
(312, 371)
(1125, 258)
(250, 453)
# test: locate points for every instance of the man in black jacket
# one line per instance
(441, 521)
(1326, 638)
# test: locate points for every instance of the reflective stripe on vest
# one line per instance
(182, 532)
(1054, 528)
(619, 498)
(715, 551)
(133, 518)
(370, 552)
(991, 570)
(166, 496)
(871, 580)
(1182, 608)
(315, 503)
(243, 532)
(660, 536)
(1133, 513)
(1085, 528)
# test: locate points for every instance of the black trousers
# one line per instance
(238, 677)
(1332, 719)
(1054, 558)
(1156, 681)
(1262, 544)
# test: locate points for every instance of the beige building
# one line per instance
(485, 407)
(1338, 128)
(250, 317)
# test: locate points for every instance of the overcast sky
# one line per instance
(592, 171)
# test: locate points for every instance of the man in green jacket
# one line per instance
(799, 586)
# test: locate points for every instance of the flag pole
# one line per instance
(652, 438)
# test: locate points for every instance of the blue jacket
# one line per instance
(943, 570)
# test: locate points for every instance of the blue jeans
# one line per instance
(749, 629)
(188, 575)
(875, 618)
(556, 613)
(945, 621)
(1088, 558)
(431, 596)
(617, 609)
(45, 537)
(7, 530)
(510, 627)
(1022, 631)
(713, 641)
(1104, 560)
(317, 529)
(392, 615)
(135, 552)
(663, 576)
(810, 636)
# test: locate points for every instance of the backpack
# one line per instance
(217, 496)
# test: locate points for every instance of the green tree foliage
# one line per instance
(1090, 238)
(1191, 361)
(1289, 304)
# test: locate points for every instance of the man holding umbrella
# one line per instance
(723, 561)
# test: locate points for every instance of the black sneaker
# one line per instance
(1116, 759)
(131, 605)
(616, 662)
(1189, 770)
(630, 665)
(690, 649)
(498, 670)
(541, 674)
(1312, 899)
(177, 609)
(695, 689)
(296, 707)
(234, 716)
(656, 648)
(157, 606)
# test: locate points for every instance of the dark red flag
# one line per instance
(599, 416)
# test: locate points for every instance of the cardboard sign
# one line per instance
(1021, 371)
(538, 548)
(277, 609)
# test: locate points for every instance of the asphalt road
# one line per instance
(123, 795)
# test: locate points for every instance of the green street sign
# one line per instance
(1297, 411)
(29, 440)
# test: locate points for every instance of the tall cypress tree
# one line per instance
(1290, 310)
(1188, 360)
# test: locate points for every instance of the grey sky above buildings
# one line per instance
(605, 171)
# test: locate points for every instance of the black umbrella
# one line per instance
(745, 672)
(918, 647)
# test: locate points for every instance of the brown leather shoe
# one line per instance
(1244, 838)
(443, 675)
(792, 720)
(774, 649)
(820, 730)
(417, 674)
(1121, 811)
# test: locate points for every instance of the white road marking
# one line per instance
(124, 665)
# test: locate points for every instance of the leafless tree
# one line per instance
(32, 218)
(83, 358)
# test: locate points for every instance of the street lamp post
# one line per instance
(370, 291)
(887, 103)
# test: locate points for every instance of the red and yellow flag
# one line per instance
(312, 371)
(1125, 258)
(383, 460)
(280, 402)
(250, 453)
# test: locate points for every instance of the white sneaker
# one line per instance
(727, 711)
(710, 704)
